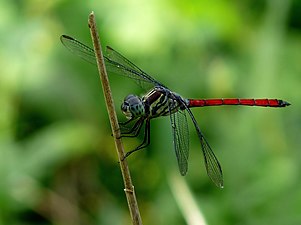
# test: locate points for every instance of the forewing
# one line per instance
(115, 62)
(79, 49)
(130, 70)
(180, 139)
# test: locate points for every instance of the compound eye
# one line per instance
(125, 106)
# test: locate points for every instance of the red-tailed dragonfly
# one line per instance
(161, 101)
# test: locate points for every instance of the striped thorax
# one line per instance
(157, 102)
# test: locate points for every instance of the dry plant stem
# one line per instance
(129, 188)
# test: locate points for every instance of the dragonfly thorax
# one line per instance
(162, 102)
(132, 107)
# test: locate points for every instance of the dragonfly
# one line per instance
(161, 101)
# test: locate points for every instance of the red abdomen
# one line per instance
(237, 101)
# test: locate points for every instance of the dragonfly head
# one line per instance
(132, 107)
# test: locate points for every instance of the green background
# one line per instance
(58, 164)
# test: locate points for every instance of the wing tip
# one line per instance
(219, 183)
(109, 48)
(183, 173)
(67, 37)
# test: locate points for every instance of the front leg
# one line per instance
(122, 124)
(126, 122)
(146, 140)
(134, 131)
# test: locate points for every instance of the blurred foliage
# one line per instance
(57, 159)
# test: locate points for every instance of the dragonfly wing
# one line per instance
(180, 133)
(115, 62)
(79, 49)
(212, 164)
(120, 69)
(132, 71)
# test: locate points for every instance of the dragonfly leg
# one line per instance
(126, 122)
(145, 142)
(122, 124)
(134, 131)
